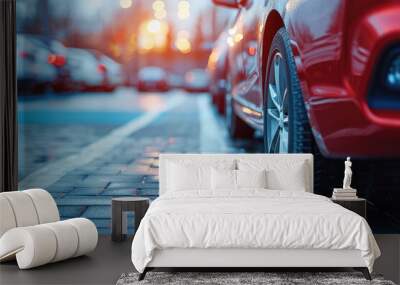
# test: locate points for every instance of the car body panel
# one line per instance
(336, 45)
(217, 66)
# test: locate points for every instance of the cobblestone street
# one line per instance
(98, 146)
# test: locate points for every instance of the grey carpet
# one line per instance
(269, 278)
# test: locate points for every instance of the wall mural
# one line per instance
(105, 86)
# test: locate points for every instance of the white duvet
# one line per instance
(250, 219)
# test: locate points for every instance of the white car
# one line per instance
(152, 78)
(110, 70)
(34, 73)
(197, 80)
(84, 70)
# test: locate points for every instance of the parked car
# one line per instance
(110, 70)
(152, 78)
(217, 68)
(85, 74)
(196, 80)
(34, 73)
(316, 76)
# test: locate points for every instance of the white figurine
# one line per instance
(347, 174)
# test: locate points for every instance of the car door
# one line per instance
(251, 95)
(236, 74)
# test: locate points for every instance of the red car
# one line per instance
(316, 75)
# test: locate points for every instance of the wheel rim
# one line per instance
(277, 111)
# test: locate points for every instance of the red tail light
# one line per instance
(251, 51)
(101, 68)
(56, 60)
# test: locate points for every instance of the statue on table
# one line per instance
(348, 173)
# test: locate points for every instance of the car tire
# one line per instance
(220, 104)
(237, 128)
(284, 109)
(300, 138)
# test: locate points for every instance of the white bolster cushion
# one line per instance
(46, 207)
(23, 208)
(7, 218)
(87, 235)
(40, 244)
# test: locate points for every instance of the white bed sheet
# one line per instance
(250, 219)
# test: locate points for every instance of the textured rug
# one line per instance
(243, 278)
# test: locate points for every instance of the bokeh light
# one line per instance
(183, 45)
(125, 4)
(183, 9)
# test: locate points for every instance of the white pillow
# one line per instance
(251, 178)
(226, 179)
(193, 175)
(223, 179)
(283, 174)
(181, 178)
(292, 179)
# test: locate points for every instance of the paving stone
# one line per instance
(57, 188)
(102, 222)
(147, 161)
(71, 179)
(71, 211)
(151, 179)
(111, 169)
(147, 192)
(87, 191)
(115, 178)
(120, 192)
(57, 194)
(92, 183)
(124, 185)
(83, 200)
(97, 212)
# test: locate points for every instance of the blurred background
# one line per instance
(104, 86)
(103, 44)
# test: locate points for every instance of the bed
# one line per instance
(246, 211)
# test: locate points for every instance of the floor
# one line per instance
(103, 266)
(110, 259)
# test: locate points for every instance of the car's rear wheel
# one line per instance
(237, 128)
(286, 126)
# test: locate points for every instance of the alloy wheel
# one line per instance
(277, 117)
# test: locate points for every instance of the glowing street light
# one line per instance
(183, 45)
(159, 9)
(158, 5)
(125, 4)
(182, 42)
(184, 5)
(152, 35)
(183, 9)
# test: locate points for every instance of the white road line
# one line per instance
(49, 174)
(213, 136)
